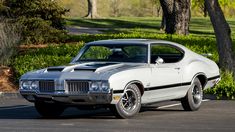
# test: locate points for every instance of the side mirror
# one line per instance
(159, 61)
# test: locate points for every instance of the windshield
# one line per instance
(115, 53)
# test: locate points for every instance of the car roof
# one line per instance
(122, 41)
(134, 41)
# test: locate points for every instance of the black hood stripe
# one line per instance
(92, 67)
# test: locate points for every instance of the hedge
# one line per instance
(61, 54)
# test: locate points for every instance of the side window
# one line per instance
(168, 53)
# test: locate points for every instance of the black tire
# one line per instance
(193, 99)
(130, 103)
(49, 110)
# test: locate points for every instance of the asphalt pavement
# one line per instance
(18, 115)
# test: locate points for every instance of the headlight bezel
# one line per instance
(34, 85)
(105, 86)
(101, 87)
(94, 87)
(29, 85)
(25, 85)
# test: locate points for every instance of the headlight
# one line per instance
(105, 86)
(34, 85)
(99, 86)
(29, 85)
(94, 86)
(25, 84)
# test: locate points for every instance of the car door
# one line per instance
(166, 75)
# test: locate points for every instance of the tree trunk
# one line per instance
(222, 33)
(92, 9)
(177, 14)
(163, 23)
(204, 9)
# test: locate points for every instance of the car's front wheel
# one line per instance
(49, 110)
(129, 104)
(193, 99)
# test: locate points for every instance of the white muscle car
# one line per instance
(122, 75)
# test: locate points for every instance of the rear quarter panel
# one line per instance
(196, 64)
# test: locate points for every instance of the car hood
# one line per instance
(84, 71)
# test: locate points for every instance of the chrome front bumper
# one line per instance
(82, 99)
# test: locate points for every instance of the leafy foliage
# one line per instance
(41, 20)
(225, 88)
(228, 7)
(52, 55)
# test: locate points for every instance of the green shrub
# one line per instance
(39, 31)
(225, 88)
(52, 55)
(62, 54)
(41, 20)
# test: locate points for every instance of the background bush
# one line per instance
(41, 20)
(53, 55)
(62, 54)
(225, 88)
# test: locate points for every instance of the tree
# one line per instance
(200, 5)
(223, 35)
(177, 15)
(92, 9)
(40, 20)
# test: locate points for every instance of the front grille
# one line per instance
(47, 86)
(77, 87)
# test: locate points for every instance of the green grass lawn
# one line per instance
(198, 26)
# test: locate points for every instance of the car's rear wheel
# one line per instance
(193, 99)
(129, 104)
(49, 110)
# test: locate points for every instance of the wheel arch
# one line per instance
(202, 78)
(139, 85)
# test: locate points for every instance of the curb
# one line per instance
(10, 95)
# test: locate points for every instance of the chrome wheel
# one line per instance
(129, 104)
(129, 100)
(197, 95)
(192, 101)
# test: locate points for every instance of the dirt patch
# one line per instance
(6, 80)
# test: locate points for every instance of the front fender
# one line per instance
(120, 80)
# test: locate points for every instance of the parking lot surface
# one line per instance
(18, 115)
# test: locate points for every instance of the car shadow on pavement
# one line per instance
(29, 112)
(18, 112)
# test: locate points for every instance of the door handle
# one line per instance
(177, 68)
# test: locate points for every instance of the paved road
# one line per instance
(84, 30)
(17, 115)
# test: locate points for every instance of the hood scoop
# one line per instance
(55, 69)
(84, 69)
(92, 67)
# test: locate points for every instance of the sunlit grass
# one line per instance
(198, 26)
